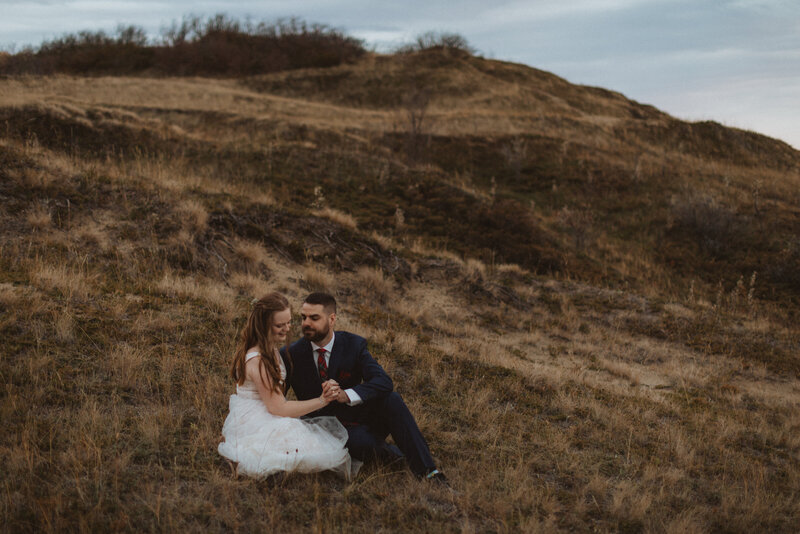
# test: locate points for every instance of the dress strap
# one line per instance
(250, 355)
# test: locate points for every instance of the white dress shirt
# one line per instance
(354, 397)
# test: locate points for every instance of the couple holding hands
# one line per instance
(346, 405)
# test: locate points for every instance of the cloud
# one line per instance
(527, 12)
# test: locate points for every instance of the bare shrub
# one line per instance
(785, 271)
(415, 107)
(515, 153)
(509, 230)
(217, 46)
(431, 40)
(399, 218)
(713, 225)
(319, 198)
(578, 223)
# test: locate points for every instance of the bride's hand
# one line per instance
(330, 391)
(330, 388)
(330, 395)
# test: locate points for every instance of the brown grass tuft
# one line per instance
(339, 217)
(252, 286)
(64, 327)
(39, 217)
(251, 252)
(316, 278)
(194, 215)
(220, 297)
(70, 282)
(373, 285)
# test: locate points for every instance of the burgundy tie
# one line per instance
(321, 365)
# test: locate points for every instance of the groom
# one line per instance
(366, 404)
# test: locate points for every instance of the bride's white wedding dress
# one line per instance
(264, 444)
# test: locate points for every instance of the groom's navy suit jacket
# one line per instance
(351, 365)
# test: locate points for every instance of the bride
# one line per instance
(263, 434)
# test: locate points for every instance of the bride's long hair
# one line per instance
(257, 332)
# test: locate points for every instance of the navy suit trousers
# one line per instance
(386, 416)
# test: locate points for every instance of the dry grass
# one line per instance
(70, 282)
(253, 253)
(552, 404)
(343, 219)
(215, 294)
(373, 285)
(252, 286)
(317, 278)
(64, 325)
(39, 218)
(194, 216)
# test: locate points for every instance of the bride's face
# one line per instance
(281, 321)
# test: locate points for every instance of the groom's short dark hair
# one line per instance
(327, 301)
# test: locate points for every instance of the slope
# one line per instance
(567, 376)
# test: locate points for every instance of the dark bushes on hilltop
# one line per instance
(218, 46)
(452, 42)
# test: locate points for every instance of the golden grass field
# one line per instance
(590, 307)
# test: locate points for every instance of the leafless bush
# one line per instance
(319, 198)
(438, 40)
(415, 107)
(515, 154)
(711, 223)
(786, 269)
(742, 296)
(399, 218)
(218, 46)
(578, 224)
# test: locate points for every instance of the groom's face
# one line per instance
(316, 323)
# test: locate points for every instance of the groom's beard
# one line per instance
(316, 335)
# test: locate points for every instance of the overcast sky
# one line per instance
(733, 61)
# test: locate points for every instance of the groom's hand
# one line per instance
(331, 390)
(342, 397)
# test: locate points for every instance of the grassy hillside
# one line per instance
(589, 305)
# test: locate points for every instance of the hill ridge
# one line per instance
(594, 324)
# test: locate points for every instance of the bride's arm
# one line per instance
(275, 402)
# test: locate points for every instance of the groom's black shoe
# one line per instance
(434, 475)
